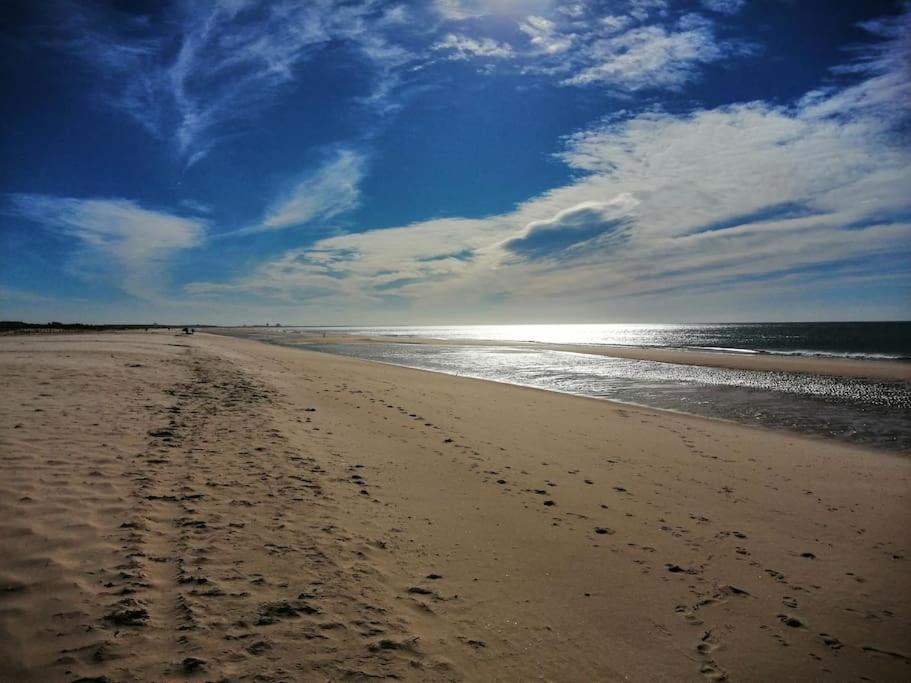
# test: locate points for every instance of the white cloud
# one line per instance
(461, 10)
(644, 9)
(615, 22)
(194, 206)
(351, 267)
(118, 238)
(208, 69)
(724, 6)
(545, 36)
(461, 47)
(319, 195)
(576, 10)
(232, 58)
(331, 190)
(577, 227)
(645, 48)
(458, 10)
(667, 209)
(652, 56)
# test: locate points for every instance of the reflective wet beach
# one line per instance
(872, 413)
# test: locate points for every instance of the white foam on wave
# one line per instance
(724, 349)
(853, 355)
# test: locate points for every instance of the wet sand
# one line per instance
(819, 365)
(210, 508)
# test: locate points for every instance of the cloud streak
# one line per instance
(118, 239)
(724, 6)
(649, 47)
(328, 192)
(460, 47)
(232, 58)
(654, 56)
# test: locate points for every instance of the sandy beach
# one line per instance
(211, 508)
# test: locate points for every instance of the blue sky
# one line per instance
(455, 161)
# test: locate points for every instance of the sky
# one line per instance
(455, 161)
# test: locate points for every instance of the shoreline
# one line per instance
(613, 404)
(858, 420)
(882, 369)
(619, 404)
(213, 504)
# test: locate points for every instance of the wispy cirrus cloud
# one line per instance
(627, 52)
(544, 35)
(232, 58)
(328, 191)
(118, 239)
(194, 73)
(654, 56)
(331, 190)
(641, 45)
(724, 6)
(462, 47)
(460, 10)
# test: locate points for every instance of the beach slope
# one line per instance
(212, 508)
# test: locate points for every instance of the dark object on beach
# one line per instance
(733, 590)
(549, 503)
(259, 647)
(187, 330)
(273, 612)
(603, 530)
(830, 641)
(191, 664)
(389, 644)
(809, 556)
(793, 622)
(128, 613)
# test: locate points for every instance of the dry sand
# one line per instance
(208, 508)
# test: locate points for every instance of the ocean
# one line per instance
(875, 340)
(874, 413)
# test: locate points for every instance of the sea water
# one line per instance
(875, 340)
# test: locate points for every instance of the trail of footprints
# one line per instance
(202, 573)
(708, 594)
